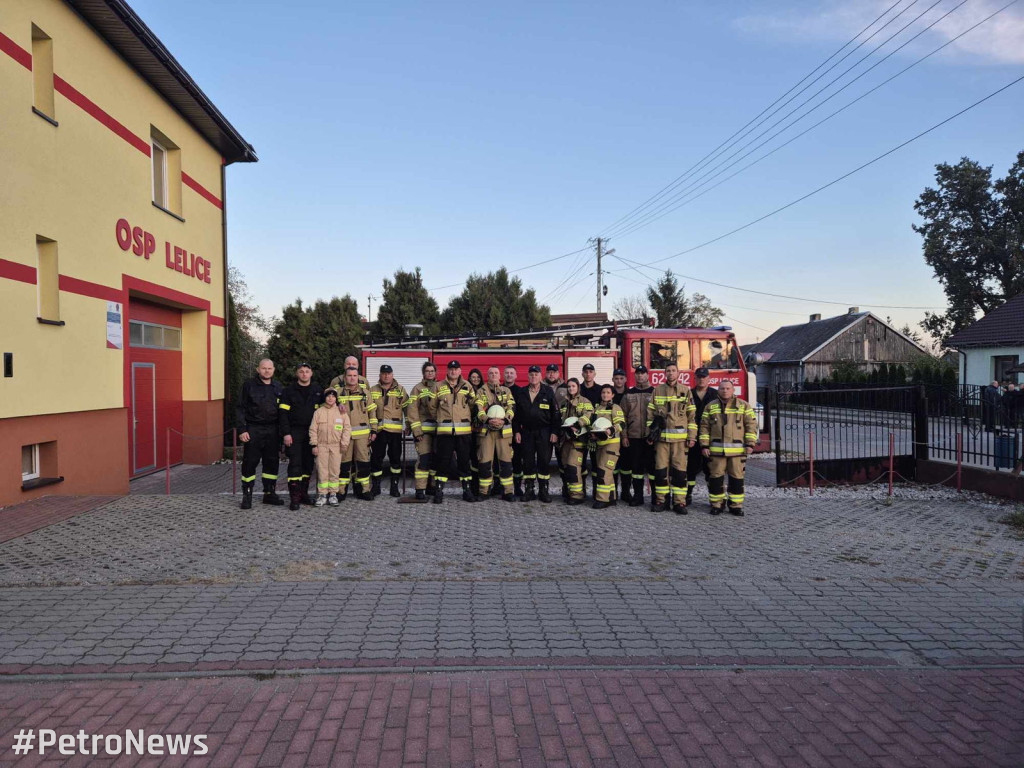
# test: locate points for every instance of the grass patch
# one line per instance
(305, 570)
(1015, 520)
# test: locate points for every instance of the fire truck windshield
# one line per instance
(719, 354)
(667, 351)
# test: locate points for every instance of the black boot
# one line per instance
(365, 494)
(638, 494)
(421, 495)
(689, 495)
(375, 486)
(625, 494)
(498, 490)
(657, 506)
(294, 495)
(438, 492)
(542, 493)
(394, 486)
(342, 492)
(305, 497)
(529, 495)
(517, 486)
(270, 494)
(467, 491)
(247, 495)
(679, 509)
(593, 487)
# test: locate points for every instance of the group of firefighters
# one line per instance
(501, 436)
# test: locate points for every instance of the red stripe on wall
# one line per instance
(12, 270)
(92, 290)
(203, 191)
(90, 107)
(219, 321)
(15, 51)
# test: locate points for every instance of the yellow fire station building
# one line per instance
(113, 260)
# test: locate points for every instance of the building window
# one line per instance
(1001, 365)
(166, 172)
(29, 462)
(154, 336)
(42, 72)
(47, 279)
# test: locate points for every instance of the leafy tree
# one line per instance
(321, 335)
(631, 308)
(247, 333)
(405, 301)
(973, 235)
(494, 303)
(673, 309)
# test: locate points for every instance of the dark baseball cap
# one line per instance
(534, 369)
(640, 369)
(588, 367)
(553, 367)
(303, 365)
(618, 372)
(702, 371)
(386, 369)
(454, 364)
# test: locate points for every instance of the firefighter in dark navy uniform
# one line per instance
(537, 425)
(295, 409)
(256, 416)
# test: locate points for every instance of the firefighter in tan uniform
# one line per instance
(496, 438)
(605, 433)
(455, 401)
(728, 434)
(361, 410)
(338, 382)
(419, 416)
(673, 420)
(577, 413)
(390, 398)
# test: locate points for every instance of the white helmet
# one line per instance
(574, 425)
(496, 412)
(601, 425)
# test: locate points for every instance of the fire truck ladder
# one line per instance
(552, 333)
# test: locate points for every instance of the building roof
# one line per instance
(1002, 327)
(795, 343)
(127, 34)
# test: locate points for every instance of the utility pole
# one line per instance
(599, 274)
(369, 307)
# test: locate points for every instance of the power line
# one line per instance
(825, 119)
(845, 176)
(684, 175)
(520, 269)
(638, 266)
(668, 205)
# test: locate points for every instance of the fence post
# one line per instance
(892, 451)
(921, 425)
(234, 460)
(959, 461)
(167, 474)
(810, 453)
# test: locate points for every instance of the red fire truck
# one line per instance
(615, 345)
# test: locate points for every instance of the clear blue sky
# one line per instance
(464, 136)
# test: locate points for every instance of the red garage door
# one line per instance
(154, 347)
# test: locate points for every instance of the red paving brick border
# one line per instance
(562, 719)
(21, 519)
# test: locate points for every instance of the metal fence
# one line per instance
(845, 435)
(975, 425)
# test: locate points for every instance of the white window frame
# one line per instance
(163, 201)
(142, 324)
(35, 464)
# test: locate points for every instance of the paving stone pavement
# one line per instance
(341, 623)
(786, 534)
(557, 718)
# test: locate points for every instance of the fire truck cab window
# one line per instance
(636, 354)
(665, 352)
(719, 354)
